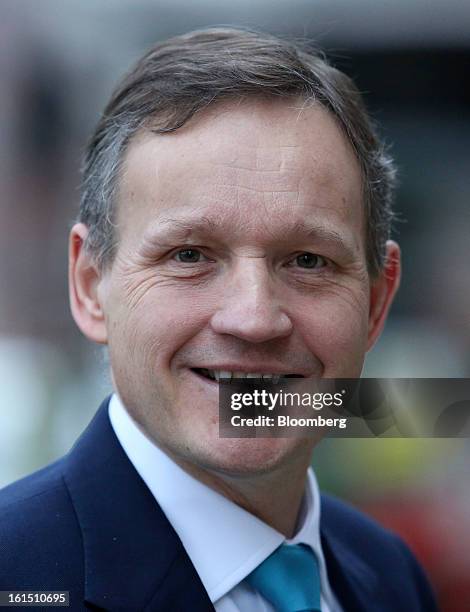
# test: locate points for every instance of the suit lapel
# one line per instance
(134, 559)
(355, 583)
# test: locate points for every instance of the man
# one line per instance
(234, 222)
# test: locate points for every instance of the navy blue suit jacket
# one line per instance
(88, 524)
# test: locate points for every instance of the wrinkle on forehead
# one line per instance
(259, 156)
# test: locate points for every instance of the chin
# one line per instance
(238, 457)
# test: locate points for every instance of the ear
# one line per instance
(84, 281)
(382, 292)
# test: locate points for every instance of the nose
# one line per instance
(250, 308)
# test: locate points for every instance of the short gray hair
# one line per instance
(185, 74)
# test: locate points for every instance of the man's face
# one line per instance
(241, 249)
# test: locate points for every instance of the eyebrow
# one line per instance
(179, 229)
(182, 229)
(318, 231)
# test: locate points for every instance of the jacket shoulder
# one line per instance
(346, 523)
(353, 524)
(353, 534)
(41, 543)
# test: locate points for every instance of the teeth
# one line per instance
(226, 375)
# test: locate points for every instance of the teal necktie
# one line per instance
(289, 579)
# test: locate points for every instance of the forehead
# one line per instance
(241, 163)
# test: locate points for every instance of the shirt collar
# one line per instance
(224, 542)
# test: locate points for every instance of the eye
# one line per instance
(310, 261)
(189, 256)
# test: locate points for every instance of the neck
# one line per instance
(274, 497)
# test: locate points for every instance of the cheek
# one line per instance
(151, 331)
(335, 329)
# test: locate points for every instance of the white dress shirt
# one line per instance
(224, 542)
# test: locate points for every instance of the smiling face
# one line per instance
(241, 249)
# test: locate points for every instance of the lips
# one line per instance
(216, 375)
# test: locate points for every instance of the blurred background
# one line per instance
(58, 64)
